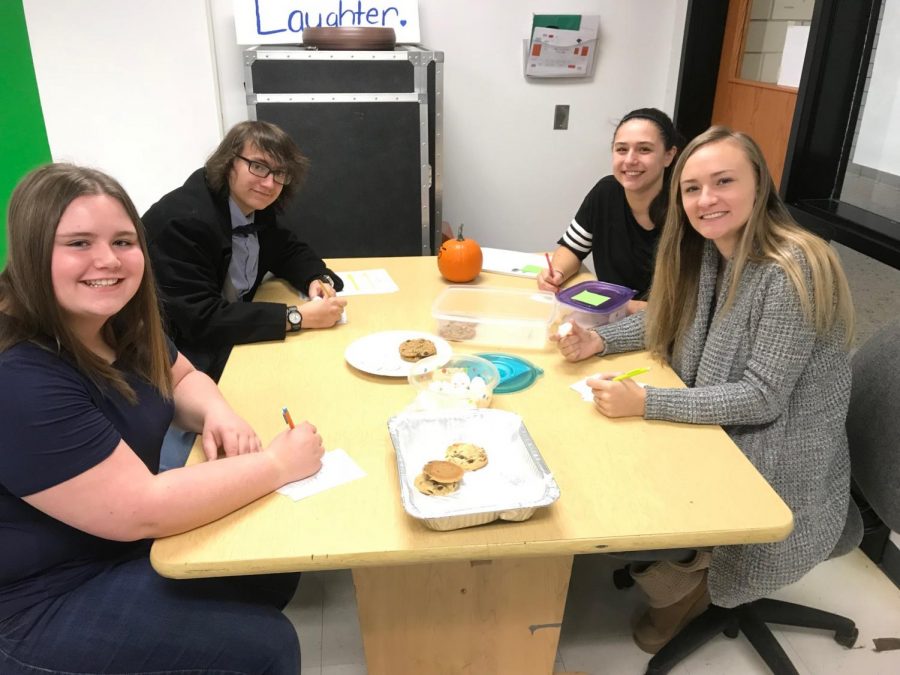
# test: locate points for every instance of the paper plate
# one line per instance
(379, 353)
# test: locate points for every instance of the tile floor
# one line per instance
(595, 636)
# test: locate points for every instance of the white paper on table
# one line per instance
(516, 263)
(368, 282)
(337, 468)
(586, 392)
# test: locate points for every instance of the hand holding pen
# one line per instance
(551, 278)
(298, 449)
(616, 395)
(322, 312)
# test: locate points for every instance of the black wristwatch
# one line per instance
(294, 318)
(326, 279)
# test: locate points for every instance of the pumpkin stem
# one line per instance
(459, 236)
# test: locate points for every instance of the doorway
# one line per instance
(733, 59)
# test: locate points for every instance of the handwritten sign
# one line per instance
(282, 21)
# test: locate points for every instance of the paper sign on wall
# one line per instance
(793, 56)
(268, 22)
(562, 45)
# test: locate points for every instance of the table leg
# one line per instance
(480, 617)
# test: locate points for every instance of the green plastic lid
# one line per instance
(516, 373)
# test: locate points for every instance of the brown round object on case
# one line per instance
(443, 472)
(355, 38)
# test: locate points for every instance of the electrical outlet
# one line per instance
(561, 117)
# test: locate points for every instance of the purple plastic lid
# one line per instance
(618, 296)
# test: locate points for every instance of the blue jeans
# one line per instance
(176, 447)
(177, 442)
(128, 619)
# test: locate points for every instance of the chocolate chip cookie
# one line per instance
(416, 349)
(467, 455)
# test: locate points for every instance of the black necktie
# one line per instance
(244, 230)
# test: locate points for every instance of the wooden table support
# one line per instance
(463, 618)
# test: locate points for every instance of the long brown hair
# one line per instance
(268, 138)
(29, 302)
(770, 234)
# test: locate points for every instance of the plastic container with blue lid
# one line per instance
(588, 315)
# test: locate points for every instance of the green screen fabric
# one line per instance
(23, 137)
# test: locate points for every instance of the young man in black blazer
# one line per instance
(212, 241)
(214, 238)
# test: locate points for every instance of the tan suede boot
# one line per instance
(660, 624)
(665, 583)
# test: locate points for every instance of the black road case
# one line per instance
(370, 122)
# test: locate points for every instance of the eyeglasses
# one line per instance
(261, 170)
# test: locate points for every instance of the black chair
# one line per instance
(873, 429)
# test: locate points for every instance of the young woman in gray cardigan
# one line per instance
(754, 314)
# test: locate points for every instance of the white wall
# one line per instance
(167, 89)
(512, 179)
(127, 87)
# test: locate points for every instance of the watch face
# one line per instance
(294, 318)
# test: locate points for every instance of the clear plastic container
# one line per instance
(463, 381)
(587, 315)
(503, 317)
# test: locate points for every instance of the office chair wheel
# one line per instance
(731, 630)
(846, 638)
(622, 578)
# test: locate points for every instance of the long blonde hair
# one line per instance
(29, 302)
(770, 234)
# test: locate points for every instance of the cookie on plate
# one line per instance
(416, 349)
(430, 487)
(467, 455)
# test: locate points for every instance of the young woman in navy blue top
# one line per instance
(88, 385)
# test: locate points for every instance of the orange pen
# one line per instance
(287, 417)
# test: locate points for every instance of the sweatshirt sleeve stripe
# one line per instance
(577, 238)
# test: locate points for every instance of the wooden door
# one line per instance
(764, 111)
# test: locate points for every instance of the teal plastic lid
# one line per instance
(516, 373)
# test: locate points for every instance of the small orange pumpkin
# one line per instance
(460, 259)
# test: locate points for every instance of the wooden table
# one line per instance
(488, 599)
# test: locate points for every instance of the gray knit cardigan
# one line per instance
(781, 393)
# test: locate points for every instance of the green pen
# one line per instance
(630, 373)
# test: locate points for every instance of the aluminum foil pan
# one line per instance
(515, 482)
